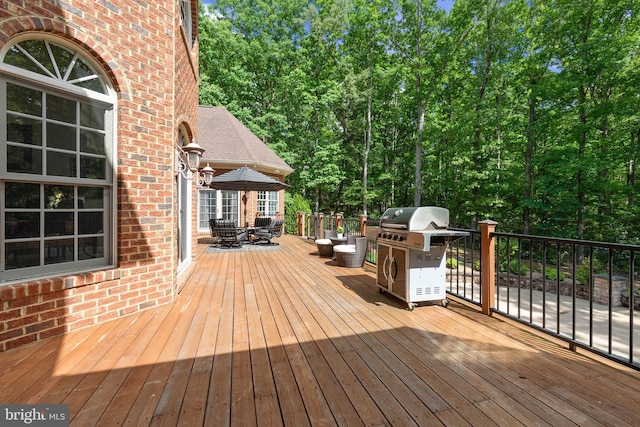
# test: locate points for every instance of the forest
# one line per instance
(525, 112)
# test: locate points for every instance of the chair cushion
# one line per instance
(345, 248)
(323, 241)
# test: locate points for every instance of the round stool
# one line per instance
(325, 247)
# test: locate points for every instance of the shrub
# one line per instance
(584, 273)
(293, 205)
(513, 267)
(476, 265)
(452, 263)
(552, 274)
(507, 247)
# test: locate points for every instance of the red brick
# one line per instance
(148, 118)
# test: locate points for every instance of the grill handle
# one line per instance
(384, 267)
(393, 263)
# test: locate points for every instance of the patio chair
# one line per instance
(212, 226)
(325, 246)
(266, 234)
(351, 255)
(262, 222)
(228, 233)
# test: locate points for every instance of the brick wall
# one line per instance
(141, 45)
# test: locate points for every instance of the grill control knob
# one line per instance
(395, 237)
(401, 238)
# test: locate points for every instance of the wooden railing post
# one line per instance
(488, 265)
(363, 225)
(300, 223)
(314, 215)
(320, 226)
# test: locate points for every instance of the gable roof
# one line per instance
(229, 144)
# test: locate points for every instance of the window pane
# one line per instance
(89, 78)
(207, 208)
(92, 167)
(90, 247)
(90, 197)
(62, 57)
(61, 136)
(24, 160)
(58, 196)
(22, 254)
(90, 222)
(24, 130)
(61, 164)
(92, 116)
(230, 205)
(24, 100)
(61, 109)
(56, 141)
(91, 142)
(58, 223)
(38, 50)
(57, 251)
(18, 59)
(20, 225)
(22, 196)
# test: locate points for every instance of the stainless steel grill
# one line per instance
(412, 244)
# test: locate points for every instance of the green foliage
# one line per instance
(584, 274)
(552, 274)
(293, 205)
(512, 267)
(452, 263)
(520, 112)
(507, 247)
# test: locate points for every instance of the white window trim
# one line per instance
(110, 100)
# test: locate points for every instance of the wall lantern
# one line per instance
(206, 176)
(189, 159)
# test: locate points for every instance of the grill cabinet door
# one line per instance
(384, 259)
(398, 276)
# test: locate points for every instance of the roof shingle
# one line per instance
(230, 144)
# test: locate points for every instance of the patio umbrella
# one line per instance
(246, 179)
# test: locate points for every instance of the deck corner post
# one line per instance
(488, 265)
(363, 224)
(300, 224)
(320, 226)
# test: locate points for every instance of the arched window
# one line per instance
(56, 161)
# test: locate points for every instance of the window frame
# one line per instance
(266, 201)
(187, 20)
(227, 206)
(58, 87)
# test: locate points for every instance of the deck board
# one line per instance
(286, 338)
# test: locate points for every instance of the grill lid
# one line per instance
(415, 218)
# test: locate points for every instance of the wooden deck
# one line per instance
(284, 337)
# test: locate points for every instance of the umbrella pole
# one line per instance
(246, 199)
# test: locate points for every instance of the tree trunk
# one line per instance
(417, 194)
(528, 159)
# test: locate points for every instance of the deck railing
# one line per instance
(313, 225)
(585, 293)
